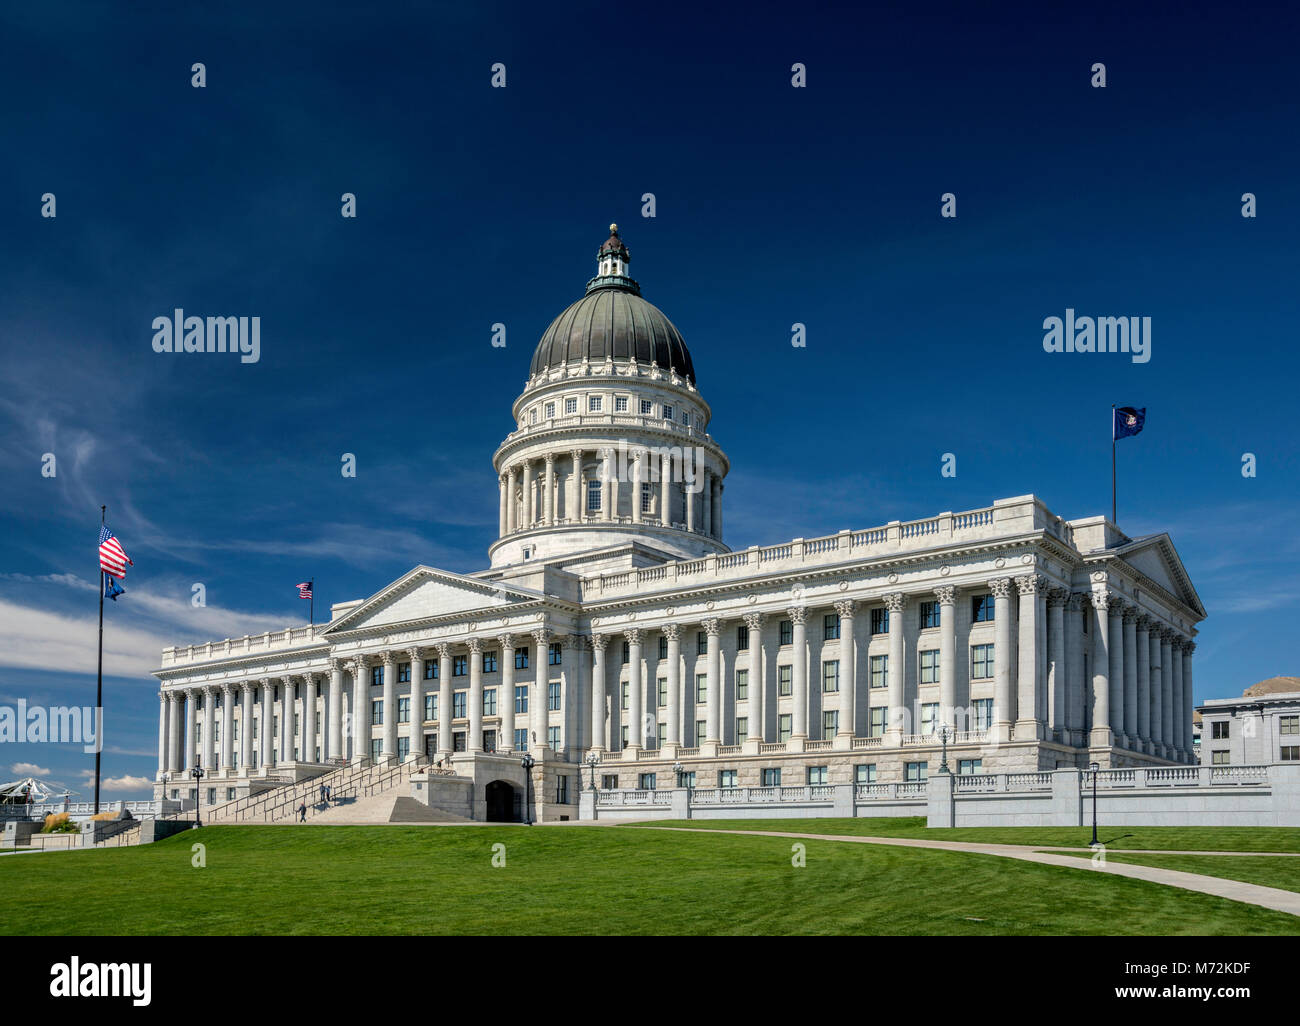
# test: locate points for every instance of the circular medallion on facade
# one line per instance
(944, 571)
(752, 599)
(595, 621)
(505, 620)
(1026, 558)
(999, 562)
(710, 604)
(893, 578)
(670, 611)
(632, 615)
(1099, 575)
(844, 585)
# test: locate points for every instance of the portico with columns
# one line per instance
(612, 618)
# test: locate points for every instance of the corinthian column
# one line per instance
(502, 521)
(1188, 704)
(309, 716)
(1115, 636)
(1130, 688)
(1167, 691)
(287, 731)
(539, 713)
(848, 676)
(474, 743)
(226, 754)
(415, 728)
(445, 741)
(1029, 714)
(163, 713)
(665, 490)
(550, 489)
(1176, 653)
(191, 720)
(636, 693)
(360, 717)
(512, 508)
(1157, 693)
(1001, 590)
(1101, 736)
(573, 511)
(606, 484)
(1076, 688)
(798, 672)
(176, 732)
(637, 466)
(268, 725)
(209, 727)
(1056, 700)
(598, 643)
(506, 699)
(246, 728)
(334, 711)
(1142, 659)
(758, 664)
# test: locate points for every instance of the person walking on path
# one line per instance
(302, 812)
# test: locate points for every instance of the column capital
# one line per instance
(1000, 587)
(388, 657)
(1057, 597)
(798, 614)
(444, 652)
(672, 631)
(576, 455)
(1101, 599)
(1130, 612)
(311, 676)
(754, 621)
(844, 608)
(550, 458)
(1076, 601)
(1145, 623)
(507, 642)
(1167, 635)
(1189, 646)
(895, 601)
(599, 641)
(541, 635)
(336, 664)
(578, 642)
(711, 626)
(228, 688)
(416, 652)
(632, 635)
(247, 687)
(1117, 606)
(946, 594)
(475, 645)
(1032, 584)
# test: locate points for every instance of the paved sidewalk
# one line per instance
(1234, 890)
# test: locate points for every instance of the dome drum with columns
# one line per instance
(612, 446)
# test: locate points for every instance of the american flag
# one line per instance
(304, 590)
(112, 559)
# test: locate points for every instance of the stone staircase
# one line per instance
(384, 797)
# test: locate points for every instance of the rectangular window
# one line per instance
(594, 403)
(550, 410)
(403, 748)
(879, 671)
(593, 496)
(784, 680)
(403, 673)
(623, 701)
(458, 741)
(459, 665)
(609, 782)
(431, 669)
(742, 685)
(914, 772)
(877, 721)
(554, 653)
(553, 696)
(686, 419)
(645, 781)
(929, 717)
(1219, 730)
(489, 701)
(1289, 753)
(742, 729)
(521, 658)
(521, 698)
(1219, 758)
(787, 632)
(459, 703)
(701, 732)
(1288, 724)
(701, 688)
(831, 627)
(553, 738)
(929, 615)
(742, 638)
(377, 712)
(376, 676)
(772, 777)
(521, 739)
(981, 608)
(686, 778)
(661, 686)
(489, 662)
(647, 407)
(571, 404)
(783, 727)
(701, 643)
(830, 676)
(489, 740)
(376, 746)
(562, 789)
(929, 666)
(864, 773)
(663, 647)
(647, 497)
(726, 778)
(880, 621)
(966, 766)
(403, 710)
(668, 412)
(981, 662)
(430, 708)
(982, 714)
(627, 652)
(830, 723)
(620, 404)
(818, 775)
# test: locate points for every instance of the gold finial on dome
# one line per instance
(613, 229)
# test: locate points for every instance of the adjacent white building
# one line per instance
(613, 619)
(1262, 726)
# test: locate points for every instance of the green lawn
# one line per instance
(1128, 838)
(1279, 871)
(579, 880)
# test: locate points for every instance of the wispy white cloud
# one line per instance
(29, 769)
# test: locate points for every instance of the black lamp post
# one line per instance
(1094, 767)
(528, 762)
(943, 740)
(197, 774)
(679, 769)
(593, 759)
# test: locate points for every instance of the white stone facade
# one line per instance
(1251, 729)
(613, 619)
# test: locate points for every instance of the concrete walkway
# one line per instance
(1234, 890)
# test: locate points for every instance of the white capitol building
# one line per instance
(613, 619)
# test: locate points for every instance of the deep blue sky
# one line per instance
(478, 205)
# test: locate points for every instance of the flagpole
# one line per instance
(311, 615)
(99, 683)
(1113, 518)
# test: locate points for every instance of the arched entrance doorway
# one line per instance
(500, 802)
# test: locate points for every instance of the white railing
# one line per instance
(288, 637)
(1238, 774)
(868, 742)
(772, 747)
(818, 746)
(1029, 781)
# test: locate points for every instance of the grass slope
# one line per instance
(578, 880)
(1115, 838)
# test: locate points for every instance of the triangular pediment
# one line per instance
(1156, 559)
(425, 595)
